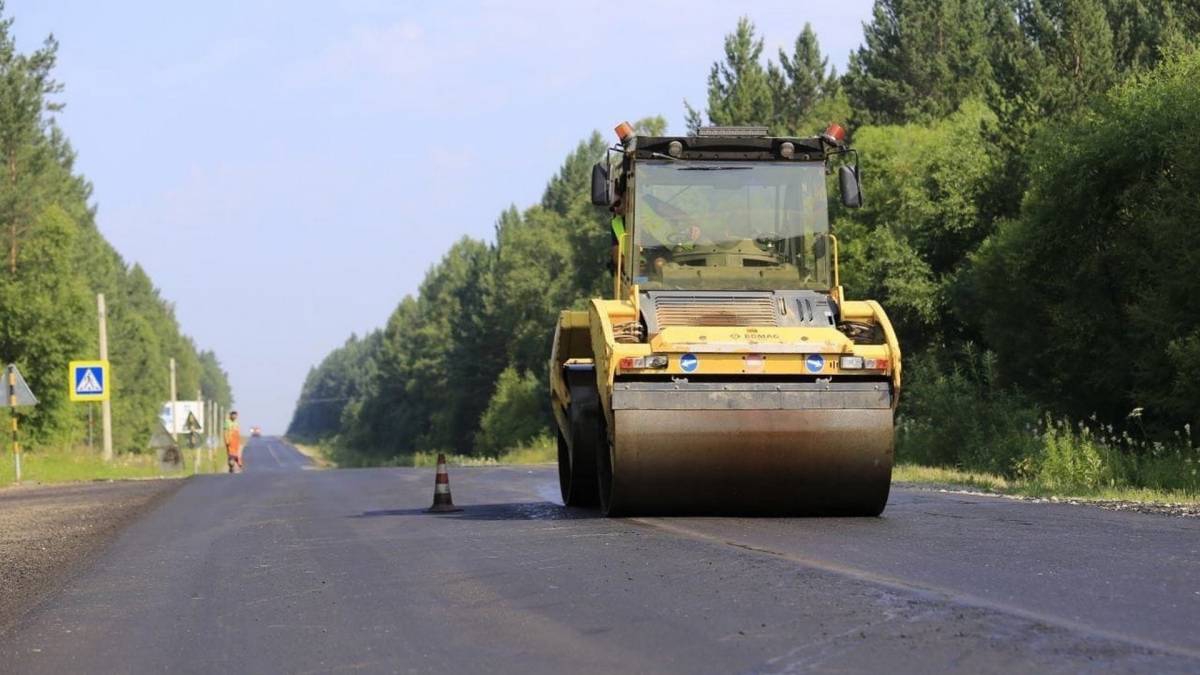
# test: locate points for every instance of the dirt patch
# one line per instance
(48, 533)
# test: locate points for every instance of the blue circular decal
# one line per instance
(814, 363)
(688, 363)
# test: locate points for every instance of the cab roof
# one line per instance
(730, 147)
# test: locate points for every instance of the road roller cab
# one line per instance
(729, 373)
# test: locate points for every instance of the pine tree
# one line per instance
(738, 91)
(26, 83)
(1076, 40)
(920, 61)
(800, 83)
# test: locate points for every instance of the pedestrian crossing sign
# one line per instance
(89, 381)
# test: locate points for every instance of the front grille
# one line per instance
(716, 310)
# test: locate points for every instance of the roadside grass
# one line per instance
(321, 454)
(956, 479)
(66, 465)
(541, 450)
(989, 437)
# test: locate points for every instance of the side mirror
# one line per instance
(600, 196)
(851, 189)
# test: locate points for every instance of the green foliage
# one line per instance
(41, 330)
(55, 261)
(516, 414)
(920, 60)
(922, 217)
(955, 414)
(1009, 205)
(1092, 291)
(800, 95)
(427, 384)
(738, 92)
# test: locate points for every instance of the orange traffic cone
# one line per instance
(442, 502)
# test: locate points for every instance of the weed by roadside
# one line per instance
(65, 465)
(956, 415)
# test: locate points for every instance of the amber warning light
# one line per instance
(624, 132)
(834, 134)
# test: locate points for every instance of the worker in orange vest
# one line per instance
(233, 443)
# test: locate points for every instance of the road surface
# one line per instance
(285, 569)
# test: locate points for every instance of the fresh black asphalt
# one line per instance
(290, 569)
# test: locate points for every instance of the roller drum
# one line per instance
(749, 449)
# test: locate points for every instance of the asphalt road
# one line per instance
(283, 569)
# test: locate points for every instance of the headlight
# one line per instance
(652, 361)
(863, 363)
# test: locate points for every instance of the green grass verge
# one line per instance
(321, 455)
(82, 464)
(541, 450)
(986, 482)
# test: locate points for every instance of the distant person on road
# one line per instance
(233, 443)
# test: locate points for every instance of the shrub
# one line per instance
(955, 414)
(515, 415)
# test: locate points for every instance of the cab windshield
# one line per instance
(730, 226)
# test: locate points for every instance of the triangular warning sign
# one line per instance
(20, 391)
(88, 384)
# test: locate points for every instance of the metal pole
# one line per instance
(91, 427)
(105, 405)
(12, 405)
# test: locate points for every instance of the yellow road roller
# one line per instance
(729, 374)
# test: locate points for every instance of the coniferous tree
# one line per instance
(738, 91)
(920, 61)
(802, 87)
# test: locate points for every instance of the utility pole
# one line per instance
(174, 411)
(105, 405)
(219, 427)
(210, 417)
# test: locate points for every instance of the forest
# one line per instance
(55, 261)
(1030, 173)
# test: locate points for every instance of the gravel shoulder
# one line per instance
(48, 533)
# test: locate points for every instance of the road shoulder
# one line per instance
(48, 533)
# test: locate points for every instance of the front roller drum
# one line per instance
(748, 452)
(577, 453)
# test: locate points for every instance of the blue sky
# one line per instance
(287, 171)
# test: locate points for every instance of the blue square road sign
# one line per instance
(89, 380)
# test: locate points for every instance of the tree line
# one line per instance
(55, 261)
(1030, 182)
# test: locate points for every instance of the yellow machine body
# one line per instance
(672, 402)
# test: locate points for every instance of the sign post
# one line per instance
(16, 393)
